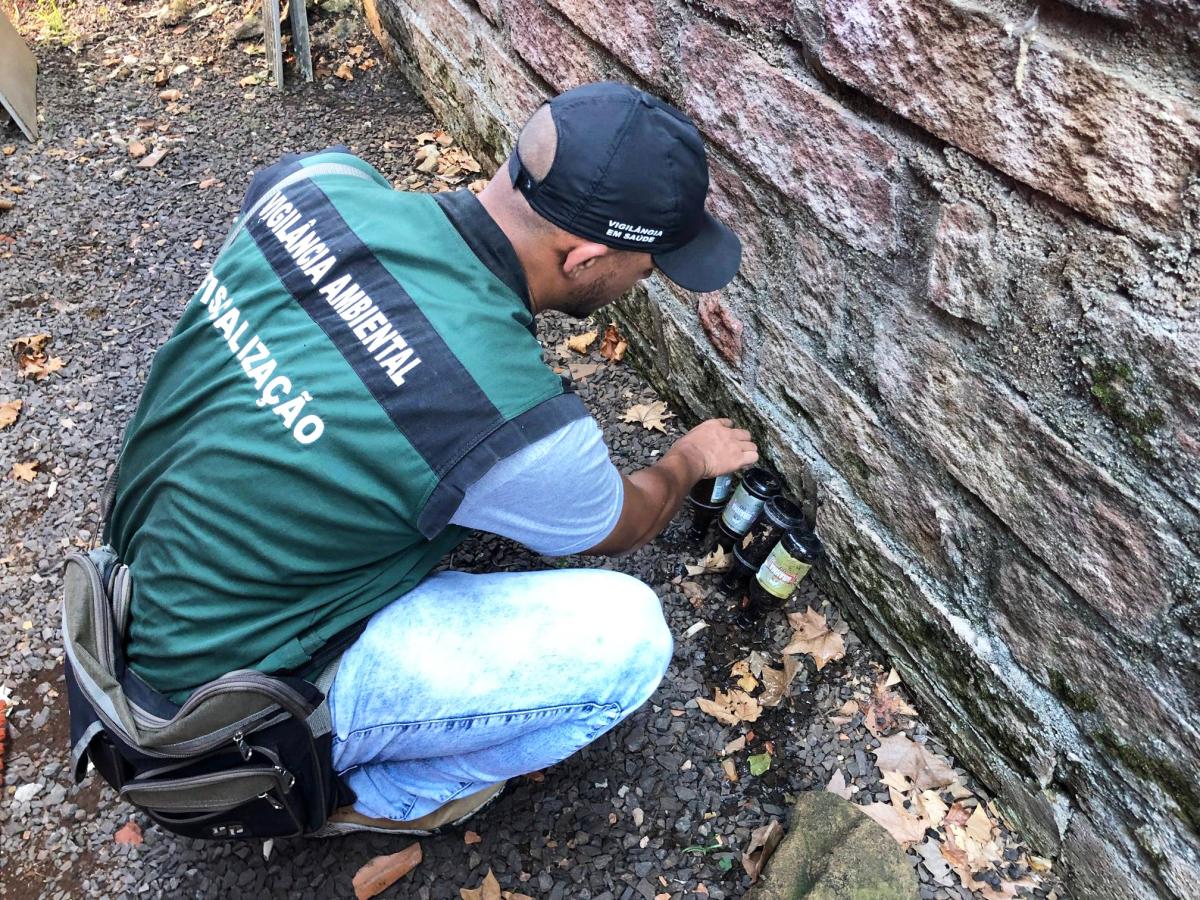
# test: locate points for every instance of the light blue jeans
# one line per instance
(468, 680)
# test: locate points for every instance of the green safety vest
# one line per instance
(346, 372)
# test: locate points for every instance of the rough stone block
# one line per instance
(1118, 554)
(731, 201)
(793, 135)
(552, 48)
(833, 851)
(722, 327)
(490, 10)
(506, 83)
(766, 14)
(963, 271)
(1102, 142)
(819, 287)
(629, 28)
(448, 23)
(1064, 646)
(895, 482)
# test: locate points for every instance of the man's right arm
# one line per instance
(654, 495)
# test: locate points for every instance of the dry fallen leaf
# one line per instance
(154, 158)
(471, 838)
(845, 712)
(906, 828)
(716, 561)
(730, 769)
(763, 841)
(931, 807)
(837, 785)
(170, 95)
(695, 594)
(897, 781)
(383, 871)
(488, 890)
(26, 471)
(777, 682)
(129, 833)
(9, 410)
(899, 753)
(731, 708)
(649, 415)
(344, 72)
(582, 371)
(210, 183)
(613, 346)
(580, 342)
(814, 638)
(136, 149)
(884, 708)
(741, 671)
(734, 746)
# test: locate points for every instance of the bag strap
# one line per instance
(109, 495)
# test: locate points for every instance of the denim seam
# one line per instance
(536, 712)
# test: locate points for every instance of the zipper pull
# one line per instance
(275, 804)
(240, 740)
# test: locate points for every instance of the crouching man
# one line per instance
(355, 386)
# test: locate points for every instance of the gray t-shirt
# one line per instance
(558, 496)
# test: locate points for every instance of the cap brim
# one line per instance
(707, 262)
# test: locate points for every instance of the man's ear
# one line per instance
(582, 257)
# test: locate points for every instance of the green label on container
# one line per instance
(780, 574)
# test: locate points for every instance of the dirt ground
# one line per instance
(101, 254)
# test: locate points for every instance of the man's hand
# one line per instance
(654, 495)
(719, 448)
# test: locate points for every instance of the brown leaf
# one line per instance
(730, 769)
(344, 72)
(695, 594)
(170, 95)
(210, 183)
(763, 841)
(9, 410)
(477, 185)
(906, 828)
(383, 871)
(777, 683)
(814, 638)
(471, 838)
(154, 158)
(651, 416)
(837, 785)
(884, 709)
(580, 342)
(898, 753)
(26, 471)
(716, 561)
(136, 149)
(129, 833)
(488, 890)
(731, 708)
(581, 371)
(736, 745)
(613, 346)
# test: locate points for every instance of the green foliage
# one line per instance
(759, 763)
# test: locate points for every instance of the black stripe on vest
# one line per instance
(439, 408)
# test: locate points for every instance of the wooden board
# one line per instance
(300, 42)
(273, 39)
(18, 79)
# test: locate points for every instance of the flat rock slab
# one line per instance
(833, 851)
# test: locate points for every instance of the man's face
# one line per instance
(606, 279)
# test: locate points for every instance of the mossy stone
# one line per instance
(833, 851)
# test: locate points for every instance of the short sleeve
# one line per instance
(560, 495)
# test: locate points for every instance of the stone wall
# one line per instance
(966, 329)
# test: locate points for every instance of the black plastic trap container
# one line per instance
(757, 487)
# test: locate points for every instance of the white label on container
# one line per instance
(721, 487)
(741, 511)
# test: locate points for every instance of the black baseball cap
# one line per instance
(630, 172)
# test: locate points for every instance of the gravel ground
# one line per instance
(101, 255)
